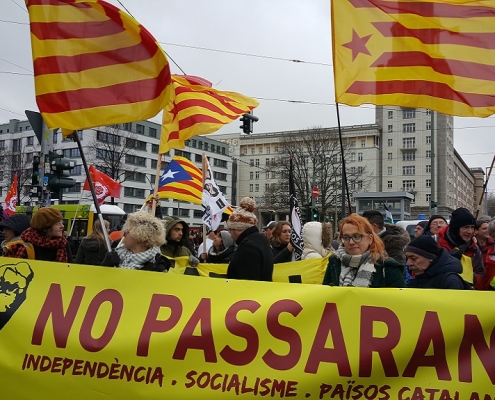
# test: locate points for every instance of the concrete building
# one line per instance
(18, 146)
(396, 152)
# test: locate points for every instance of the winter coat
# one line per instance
(473, 251)
(55, 249)
(443, 273)
(395, 238)
(389, 273)
(489, 262)
(314, 237)
(222, 257)
(253, 259)
(180, 249)
(91, 251)
(280, 252)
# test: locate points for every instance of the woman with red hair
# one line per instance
(361, 259)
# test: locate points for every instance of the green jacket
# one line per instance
(388, 274)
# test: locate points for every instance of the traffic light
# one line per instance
(35, 178)
(247, 122)
(59, 175)
(315, 214)
(433, 204)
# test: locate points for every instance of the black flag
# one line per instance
(295, 219)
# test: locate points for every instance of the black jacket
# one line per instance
(91, 252)
(223, 257)
(280, 253)
(443, 273)
(253, 259)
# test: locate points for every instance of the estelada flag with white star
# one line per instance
(182, 180)
(438, 55)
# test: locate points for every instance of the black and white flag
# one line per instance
(295, 219)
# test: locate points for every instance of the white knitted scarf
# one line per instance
(355, 270)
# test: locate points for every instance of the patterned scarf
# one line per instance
(130, 260)
(356, 270)
(32, 236)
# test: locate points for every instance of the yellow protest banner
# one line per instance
(305, 271)
(82, 332)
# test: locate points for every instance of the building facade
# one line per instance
(138, 140)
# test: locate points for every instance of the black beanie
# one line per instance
(461, 217)
(424, 246)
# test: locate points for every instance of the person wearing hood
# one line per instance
(393, 236)
(457, 238)
(317, 238)
(177, 240)
(12, 228)
(93, 247)
(433, 267)
(280, 243)
(435, 224)
(46, 236)
(222, 249)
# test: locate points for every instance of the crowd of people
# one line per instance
(365, 252)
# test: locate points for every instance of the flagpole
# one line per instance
(75, 214)
(345, 188)
(74, 136)
(203, 173)
(157, 180)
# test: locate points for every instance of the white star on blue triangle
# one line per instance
(174, 173)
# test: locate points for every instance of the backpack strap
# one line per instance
(29, 250)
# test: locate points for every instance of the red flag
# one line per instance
(11, 198)
(103, 184)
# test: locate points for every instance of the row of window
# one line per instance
(408, 170)
(408, 128)
(407, 113)
(199, 144)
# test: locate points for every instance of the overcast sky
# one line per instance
(239, 45)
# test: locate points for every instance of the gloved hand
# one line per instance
(111, 259)
(193, 261)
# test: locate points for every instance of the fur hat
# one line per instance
(424, 246)
(226, 239)
(45, 218)
(243, 216)
(17, 223)
(145, 229)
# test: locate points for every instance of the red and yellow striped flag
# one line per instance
(95, 65)
(199, 109)
(438, 55)
(182, 180)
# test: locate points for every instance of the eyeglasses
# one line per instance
(356, 238)
(438, 223)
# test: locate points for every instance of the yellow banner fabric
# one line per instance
(82, 332)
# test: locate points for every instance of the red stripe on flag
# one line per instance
(447, 67)
(171, 189)
(198, 119)
(188, 103)
(420, 87)
(75, 30)
(57, 3)
(426, 9)
(122, 93)
(484, 40)
(82, 62)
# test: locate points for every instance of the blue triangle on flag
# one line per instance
(174, 173)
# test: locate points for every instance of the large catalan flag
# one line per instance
(198, 109)
(95, 65)
(182, 180)
(438, 55)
